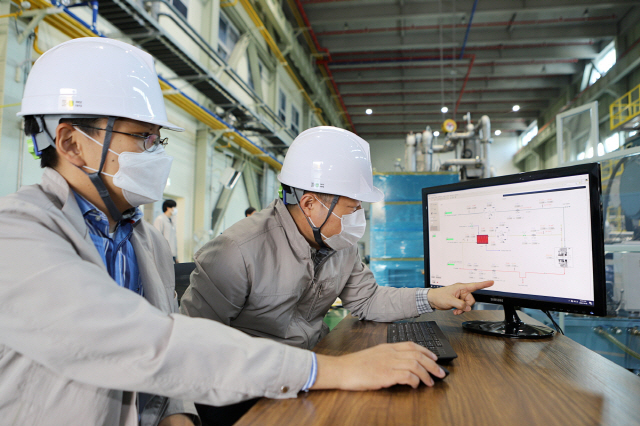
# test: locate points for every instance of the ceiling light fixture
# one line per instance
(444, 109)
(516, 108)
(369, 111)
(436, 133)
(498, 132)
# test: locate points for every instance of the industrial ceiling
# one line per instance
(406, 60)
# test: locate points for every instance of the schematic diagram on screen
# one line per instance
(513, 239)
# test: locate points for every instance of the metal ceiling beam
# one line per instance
(435, 107)
(450, 23)
(469, 96)
(500, 51)
(408, 75)
(377, 90)
(425, 39)
(378, 122)
(322, 13)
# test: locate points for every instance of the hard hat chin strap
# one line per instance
(96, 179)
(317, 235)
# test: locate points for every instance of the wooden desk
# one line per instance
(494, 381)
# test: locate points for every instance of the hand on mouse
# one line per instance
(378, 367)
(456, 296)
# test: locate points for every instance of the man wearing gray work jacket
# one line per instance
(276, 274)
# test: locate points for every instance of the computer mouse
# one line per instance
(438, 379)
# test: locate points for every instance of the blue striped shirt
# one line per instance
(115, 249)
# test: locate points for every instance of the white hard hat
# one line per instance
(330, 160)
(92, 77)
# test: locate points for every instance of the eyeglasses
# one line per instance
(151, 141)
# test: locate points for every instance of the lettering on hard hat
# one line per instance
(317, 185)
(67, 102)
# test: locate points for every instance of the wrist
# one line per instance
(330, 374)
(430, 294)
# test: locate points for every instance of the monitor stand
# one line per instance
(512, 326)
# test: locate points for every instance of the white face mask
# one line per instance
(174, 212)
(142, 176)
(352, 225)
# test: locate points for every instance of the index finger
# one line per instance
(471, 287)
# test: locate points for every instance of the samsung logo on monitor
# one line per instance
(496, 299)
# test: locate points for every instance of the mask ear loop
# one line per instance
(96, 179)
(317, 236)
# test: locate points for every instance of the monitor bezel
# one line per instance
(599, 307)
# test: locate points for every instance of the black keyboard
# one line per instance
(424, 333)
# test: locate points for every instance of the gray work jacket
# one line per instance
(259, 277)
(75, 347)
(168, 230)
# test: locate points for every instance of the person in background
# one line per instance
(248, 212)
(164, 223)
(89, 329)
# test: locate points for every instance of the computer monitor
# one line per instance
(537, 235)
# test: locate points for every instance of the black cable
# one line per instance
(554, 323)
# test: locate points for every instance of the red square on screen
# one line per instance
(483, 239)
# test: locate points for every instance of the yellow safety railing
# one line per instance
(625, 108)
(71, 28)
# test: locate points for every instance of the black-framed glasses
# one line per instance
(151, 142)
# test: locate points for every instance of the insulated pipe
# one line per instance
(485, 125)
(419, 153)
(410, 153)
(446, 147)
(460, 135)
(427, 147)
(486, 172)
(461, 162)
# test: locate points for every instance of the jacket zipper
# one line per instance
(318, 293)
(316, 296)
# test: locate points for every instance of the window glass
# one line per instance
(295, 120)
(227, 37)
(282, 106)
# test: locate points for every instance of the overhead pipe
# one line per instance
(427, 103)
(324, 66)
(437, 92)
(409, 59)
(466, 79)
(477, 25)
(466, 34)
(476, 48)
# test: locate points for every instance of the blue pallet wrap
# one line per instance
(397, 248)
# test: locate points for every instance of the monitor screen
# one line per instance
(537, 235)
